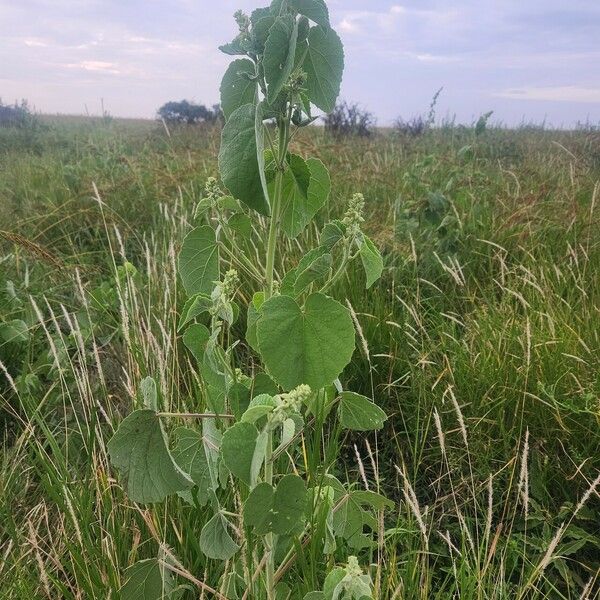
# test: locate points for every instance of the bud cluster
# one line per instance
(222, 296)
(354, 215)
(242, 20)
(297, 81)
(289, 404)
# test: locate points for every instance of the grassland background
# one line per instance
(482, 343)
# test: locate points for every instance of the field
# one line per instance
(481, 342)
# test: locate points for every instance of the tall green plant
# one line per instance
(268, 430)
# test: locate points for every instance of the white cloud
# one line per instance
(348, 26)
(553, 94)
(96, 65)
(35, 43)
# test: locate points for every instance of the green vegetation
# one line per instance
(480, 344)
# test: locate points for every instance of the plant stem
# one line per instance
(340, 271)
(275, 208)
(269, 538)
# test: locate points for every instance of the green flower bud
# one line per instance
(354, 215)
(289, 404)
(243, 20)
(222, 295)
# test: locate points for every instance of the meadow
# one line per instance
(481, 342)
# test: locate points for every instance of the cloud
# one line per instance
(35, 43)
(553, 94)
(96, 65)
(62, 54)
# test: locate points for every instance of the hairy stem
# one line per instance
(269, 538)
(339, 273)
(275, 208)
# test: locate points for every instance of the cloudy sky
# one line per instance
(524, 59)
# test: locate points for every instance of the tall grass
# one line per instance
(482, 343)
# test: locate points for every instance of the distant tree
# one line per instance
(189, 113)
(348, 120)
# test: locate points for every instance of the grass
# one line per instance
(482, 343)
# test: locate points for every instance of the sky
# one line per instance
(527, 60)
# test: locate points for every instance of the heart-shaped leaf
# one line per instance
(324, 65)
(280, 510)
(194, 307)
(372, 261)
(139, 450)
(257, 508)
(332, 233)
(199, 261)
(314, 266)
(306, 187)
(280, 50)
(310, 345)
(147, 580)
(289, 503)
(359, 414)
(260, 406)
(239, 443)
(241, 156)
(215, 540)
(190, 454)
(237, 87)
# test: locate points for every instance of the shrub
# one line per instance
(349, 119)
(189, 113)
(418, 125)
(16, 115)
(414, 127)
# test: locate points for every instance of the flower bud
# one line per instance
(354, 215)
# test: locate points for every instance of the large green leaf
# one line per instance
(294, 189)
(241, 155)
(238, 87)
(317, 269)
(314, 266)
(190, 454)
(237, 447)
(194, 307)
(289, 503)
(332, 234)
(235, 47)
(139, 450)
(372, 261)
(324, 65)
(359, 413)
(279, 509)
(195, 339)
(260, 30)
(199, 261)
(257, 508)
(259, 13)
(147, 580)
(215, 540)
(310, 345)
(306, 187)
(260, 406)
(315, 10)
(280, 49)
